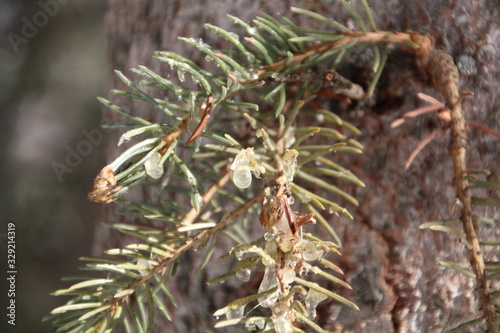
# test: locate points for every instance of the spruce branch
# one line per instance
(287, 69)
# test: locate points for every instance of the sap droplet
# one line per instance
(312, 251)
(269, 281)
(250, 326)
(153, 167)
(282, 325)
(270, 235)
(178, 93)
(272, 250)
(250, 57)
(181, 75)
(242, 177)
(290, 164)
(312, 300)
(243, 158)
(234, 35)
(306, 198)
(243, 275)
(260, 323)
(239, 255)
(294, 259)
(235, 313)
(288, 275)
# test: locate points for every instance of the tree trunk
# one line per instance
(388, 261)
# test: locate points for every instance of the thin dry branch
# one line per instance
(446, 80)
(424, 45)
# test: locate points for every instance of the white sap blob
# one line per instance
(288, 275)
(243, 165)
(290, 164)
(242, 177)
(153, 166)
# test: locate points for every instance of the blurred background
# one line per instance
(53, 64)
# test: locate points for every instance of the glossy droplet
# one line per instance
(306, 198)
(268, 281)
(242, 158)
(282, 325)
(272, 250)
(270, 235)
(153, 167)
(236, 313)
(312, 251)
(243, 275)
(239, 255)
(250, 57)
(288, 275)
(312, 300)
(242, 177)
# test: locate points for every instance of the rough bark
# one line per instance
(388, 261)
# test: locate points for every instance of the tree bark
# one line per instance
(388, 261)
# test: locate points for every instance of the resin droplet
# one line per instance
(270, 235)
(181, 75)
(312, 300)
(288, 275)
(239, 255)
(153, 167)
(282, 325)
(312, 252)
(243, 275)
(290, 164)
(236, 313)
(243, 165)
(242, 177)
(269, 281)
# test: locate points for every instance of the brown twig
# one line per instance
(421, 145)
(446, 80)
(425, 45)
(191, 243)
